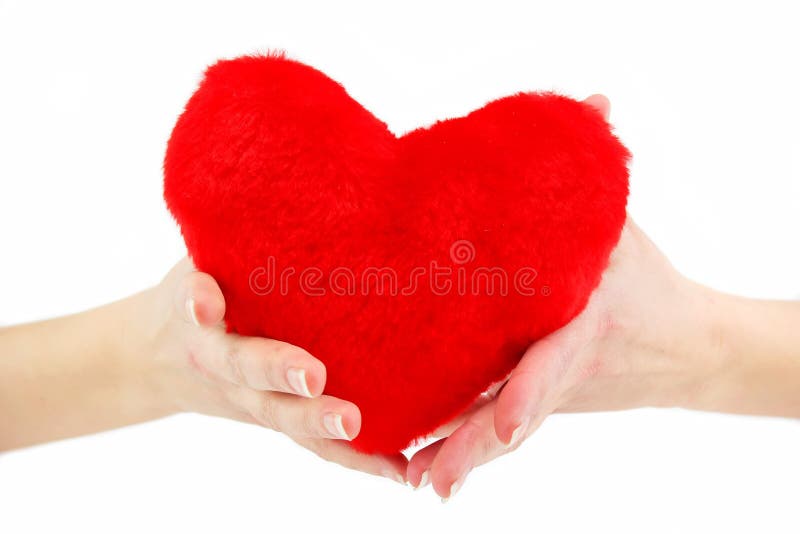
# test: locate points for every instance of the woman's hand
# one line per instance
(644, 339)
(647, 337)
(202, 369)
(161, 352)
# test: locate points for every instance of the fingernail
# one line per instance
(190, 309)
(454, 489)
(297, 381)
(397, 477)
(424, 479)
(517, 434)
(333, 424)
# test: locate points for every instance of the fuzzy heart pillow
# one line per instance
(417, 268)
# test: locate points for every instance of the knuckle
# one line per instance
(309, 421)
(233, 362)
(267, 380)
(562, 360)
(267, 415)
(279, 349)
(265, 372)
(591, 369)
(606, 324)
(488, 446)
(472, 430)
(480, 440)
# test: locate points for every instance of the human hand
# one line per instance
(200, 368)
(643, 340)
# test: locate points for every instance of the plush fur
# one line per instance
(273, 165)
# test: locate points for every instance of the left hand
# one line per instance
(645, 338)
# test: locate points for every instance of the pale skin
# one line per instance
(648, 337)
(165, 351)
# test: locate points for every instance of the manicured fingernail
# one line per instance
(454, 489)
(424, 480)
(333, 424)
(397, 477)
(297, 381)
(517, 434)
(190, 309)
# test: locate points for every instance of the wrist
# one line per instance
(708, 354)
(756, 344)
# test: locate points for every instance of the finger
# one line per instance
(389, 466)
(474, 443)
(259, 363)
(537, 377)
(419, 467)
(199, 300)
(600, 103)
(483, 399)
(463, 450)
(262, 364)
(322, 417)
(447, 462)
(447, 428)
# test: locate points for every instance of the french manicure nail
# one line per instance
(424, 479)
(397, 477)
(190, 309)
(453, 490)
(333, 424)
(297, 381)
(517, 434)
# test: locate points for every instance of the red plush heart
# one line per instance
(417, 268)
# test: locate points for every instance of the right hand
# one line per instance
(198, 367)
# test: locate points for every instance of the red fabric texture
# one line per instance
(273, 169)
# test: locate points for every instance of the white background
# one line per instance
(705, 95)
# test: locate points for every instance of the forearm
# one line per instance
(75, 375)
(758, 343)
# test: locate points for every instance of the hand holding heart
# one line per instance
(646, 338)
(201, 368)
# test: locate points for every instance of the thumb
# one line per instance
(601, 103)
(536, 378)
(199, 300)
